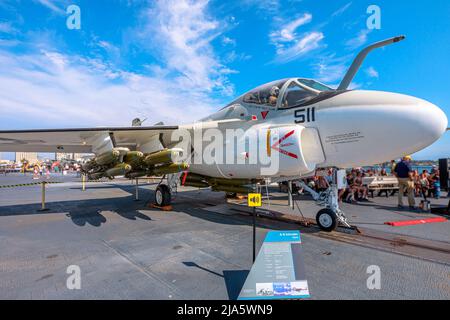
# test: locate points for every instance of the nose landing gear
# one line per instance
(328, 218)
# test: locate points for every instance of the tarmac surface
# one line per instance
(127, 250)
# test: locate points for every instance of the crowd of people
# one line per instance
(425, 184)
(45, 169)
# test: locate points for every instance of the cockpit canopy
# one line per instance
(285, 93)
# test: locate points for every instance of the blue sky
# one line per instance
(177, 61)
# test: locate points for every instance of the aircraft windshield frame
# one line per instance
(314, 85)
(264, 96)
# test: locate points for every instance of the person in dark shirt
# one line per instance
(404, 174)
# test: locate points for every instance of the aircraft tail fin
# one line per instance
(345, 83)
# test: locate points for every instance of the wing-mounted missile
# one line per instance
(134, 164)
(96, 175)
(88, 166)
(107, 158)
(118, 170)
(360, 59)
(233, 189)
(134, 159)
(165, 156)
(219, 184)
(169, 169)
(136, 174)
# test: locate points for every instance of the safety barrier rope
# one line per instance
(54, 182)
(29, 184)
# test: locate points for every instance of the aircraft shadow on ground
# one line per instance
(234, 279)
(239, 219)
(84, 212)
(88, 212)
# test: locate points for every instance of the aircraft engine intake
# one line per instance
(261, 151)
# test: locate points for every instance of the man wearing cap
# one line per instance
(403, 172)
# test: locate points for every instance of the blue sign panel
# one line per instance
(278, 272)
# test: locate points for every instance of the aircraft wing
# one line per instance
(84, 140)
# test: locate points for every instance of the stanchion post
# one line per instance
(290, 195)
(137, 190)
(83, 182)
(43, 208)
(254, 234)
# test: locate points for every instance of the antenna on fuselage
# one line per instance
(345, 83)
(137, 122)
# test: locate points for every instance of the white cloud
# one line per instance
(181, 32)
(287, 32)
(52, 5)
(300, 47)
(359, 40)
(371, 72)
(50, 89)
(289, 43)
(341, 10)
(228, 41)
(6, 27)
(331, 69)
(233, 56)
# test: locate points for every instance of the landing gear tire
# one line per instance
(327, 220)
(162, 195)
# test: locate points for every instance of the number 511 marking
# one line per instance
(305, 115)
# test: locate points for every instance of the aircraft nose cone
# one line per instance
(438, 120)
(429, 121)
(370, 127)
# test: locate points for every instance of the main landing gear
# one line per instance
(328, 218)
(163, 193)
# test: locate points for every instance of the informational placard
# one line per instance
(278, 272)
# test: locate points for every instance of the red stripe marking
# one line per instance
(414, 222)
(290, 154)
(287, 135)
(184, 178)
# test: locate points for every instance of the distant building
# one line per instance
(59, 156)
(69, 156)
(31, 157)
(78, 156)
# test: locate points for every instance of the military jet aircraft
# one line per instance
(280, 131)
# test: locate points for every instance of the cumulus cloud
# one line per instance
(291, 44)
(48, 89)
(181, 32)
